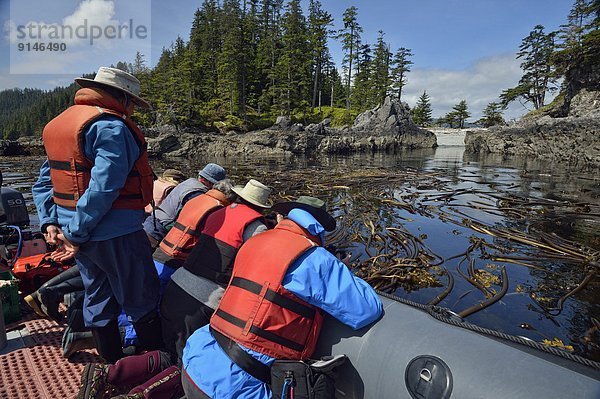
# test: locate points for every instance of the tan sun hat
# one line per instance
(255, 193)
(116, 79)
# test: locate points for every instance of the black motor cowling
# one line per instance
(15, 210)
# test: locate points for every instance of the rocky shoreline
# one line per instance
(386, 128)
(573, 139)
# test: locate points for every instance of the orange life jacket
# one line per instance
(69, 167)
(180, 240)
(218, 245)
(256, 310)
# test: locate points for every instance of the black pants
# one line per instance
(181, 315)
(190, 389)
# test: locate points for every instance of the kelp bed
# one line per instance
(479, 245)
(387, 220)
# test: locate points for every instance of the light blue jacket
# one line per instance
(318, 278)
(114, 150)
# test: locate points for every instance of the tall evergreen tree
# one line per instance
(381, 71)
(461, 113)
(319, 23)
(401, 65)
(350, 36)
(293, 65)
(362, 88)
(536, 51)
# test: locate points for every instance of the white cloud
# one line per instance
(74, 29)
(479, 85)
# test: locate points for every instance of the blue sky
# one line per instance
(463, 49)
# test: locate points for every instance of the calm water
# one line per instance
(533, 291)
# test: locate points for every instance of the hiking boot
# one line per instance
(45, 304)
(73, 341)
(93, 381)
(51, 299)
(35, 302)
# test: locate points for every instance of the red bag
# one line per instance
(33, 271)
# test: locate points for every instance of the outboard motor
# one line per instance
(14, 208)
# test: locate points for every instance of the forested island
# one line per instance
(264, 68)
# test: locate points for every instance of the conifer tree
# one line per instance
(401, 65)
(536, 51)
(293, 66)
(458, 115)
(421, 113)
(492, 115)
(381, 72)
(350, 36)
(362, 88)
(319, 22)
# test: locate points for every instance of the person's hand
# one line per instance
(279, 217)
(66, 249)
(51, 235)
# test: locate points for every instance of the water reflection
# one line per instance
(480, 188)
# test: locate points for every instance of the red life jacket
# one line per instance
(256, 310)
(180, 240)
(217, 247)
(69, 167)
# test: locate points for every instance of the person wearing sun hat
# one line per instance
(90, 197)
(191, 296)
(281, 283)
(195, 288)
(161, 219)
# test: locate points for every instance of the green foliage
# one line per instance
(244, 63)
(492, 115)
(457, 117)
(536, 50)
(421, 113)
(401, 66)
(25, 112)
(350, 36)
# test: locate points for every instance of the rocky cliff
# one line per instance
(574, 139)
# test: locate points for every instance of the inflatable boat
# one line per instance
(419, 351)
(422, 352)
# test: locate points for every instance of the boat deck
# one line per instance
(32, 365)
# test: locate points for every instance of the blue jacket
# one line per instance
(113, 150)
(318, 278)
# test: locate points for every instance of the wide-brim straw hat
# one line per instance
(117, 79)
(255, 193)
(312, 205)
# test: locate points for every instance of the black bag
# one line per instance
(311, 379)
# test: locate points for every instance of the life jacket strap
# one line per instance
(243, 359)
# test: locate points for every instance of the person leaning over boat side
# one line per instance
(195, 289)
(174, 249)
(194, 292)
(90, 197)
(287, 277)
(163, 185)
(159, 222)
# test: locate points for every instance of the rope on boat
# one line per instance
(447, 316)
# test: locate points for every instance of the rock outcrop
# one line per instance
(386, 128)
(574, 139)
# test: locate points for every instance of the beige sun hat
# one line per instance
(254, 192)
(116, 79)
